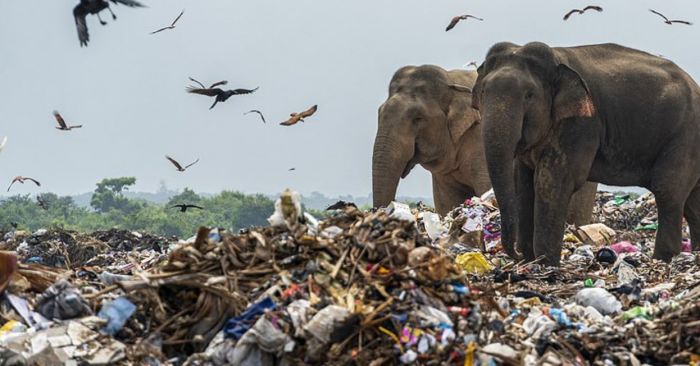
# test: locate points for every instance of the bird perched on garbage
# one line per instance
(581, 11)
(456, 20)
(62, 124)
(21, 179)
(178, 166)
(296, 117)
(2, 144)
(340, 205)
(258, 112)
(171, 26)
(95, 7)
(184, 207)
(212, 91)
(42, 203)
(670, 22)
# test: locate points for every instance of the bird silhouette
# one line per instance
(184, 207)
(291, 169)
(86, 7)
(456, 20)
(21, 179)
(178, 166)
(670, 22)
(2, 144)
(62, 124)
(42, 202)
(340, 205)
(296, 117)
(471, 63)
(212, 91)
(171, 26)
(258, 112)
(581, 11)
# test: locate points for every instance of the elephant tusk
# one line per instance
(460, 88)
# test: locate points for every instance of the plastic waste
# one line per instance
(109, 278)
(636, 312)
(625, 273)
(606, 255)
(116, 312)
(400, 211)
(473, 262)
(324, 323)
(409, 357)
(538, 325)
(62, 301)
(600, 299)
(287, 209)
(260, 345)
(433, 225)
(624, 247)
(433, 316)
(236, 327)
(584, 252)
(686, 247)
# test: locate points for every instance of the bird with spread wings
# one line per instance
(178, 166)
(456, 20)
(296, 117)
(171, 26)
(258, 112)
(670, 22)
(213, 91)
(581, 11)
(184, 207)
(21, 179)
(62, 123)
(86, 7)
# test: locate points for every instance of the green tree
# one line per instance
(108, 195)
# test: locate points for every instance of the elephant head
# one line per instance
(421, 122)
(522, 92)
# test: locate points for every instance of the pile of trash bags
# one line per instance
(393, 286)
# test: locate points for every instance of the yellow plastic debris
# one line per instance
(473, 262)
(9, 326)
(571, 238)
(469, 359)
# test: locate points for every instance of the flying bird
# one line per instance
(581, 11)
(2, 144)
(296, 117)
(212, 91)
(291, 169)
(456, 20)
(471, 63)
(95, 7)
(171, 26)
(258, 112)
(340, 205)
(670, 22)
(62, 124)
(42, 202)
(21, 179)
(183, 208)
(178, 166)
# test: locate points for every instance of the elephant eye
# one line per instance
(529, 95)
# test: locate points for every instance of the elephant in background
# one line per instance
(601, 113)
(426, 121)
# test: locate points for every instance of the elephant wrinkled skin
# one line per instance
(425, 121)
(601, 113)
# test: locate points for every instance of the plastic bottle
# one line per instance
(600, 299)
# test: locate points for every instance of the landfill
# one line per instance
(389, 286)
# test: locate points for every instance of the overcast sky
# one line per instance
(127, 87)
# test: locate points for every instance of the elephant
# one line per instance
(427, 119)
(556, 117)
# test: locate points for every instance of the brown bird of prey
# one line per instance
(258, 112)
(184, 208)
(340, 205)
(42, 202)
(456, 20)
(221, 95)
(21, 179)
(581, 11)
(171, 26)
(670, 22)
(95, 7)
(178, 166)
(296, 117)
(62, 124)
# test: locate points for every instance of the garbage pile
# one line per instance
(391, 287)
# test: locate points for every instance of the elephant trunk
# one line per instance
(391, 161)
(501, 132)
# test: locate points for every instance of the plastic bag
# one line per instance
(325, 321)
(116, 312)
(600, 299)
(62, 301)
(433, 225)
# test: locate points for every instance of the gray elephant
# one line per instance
(425, 121)
(602, 113)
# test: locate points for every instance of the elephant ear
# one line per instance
(572, 97)
(460, 115)
(476, 90)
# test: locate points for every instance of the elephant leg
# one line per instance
(692, 215)
(525, 190)
(581, 206)
(552, 191)
(448, 193)
(669, 235)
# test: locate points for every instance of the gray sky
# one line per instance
(127, 87)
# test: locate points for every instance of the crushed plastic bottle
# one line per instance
(600, 299)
